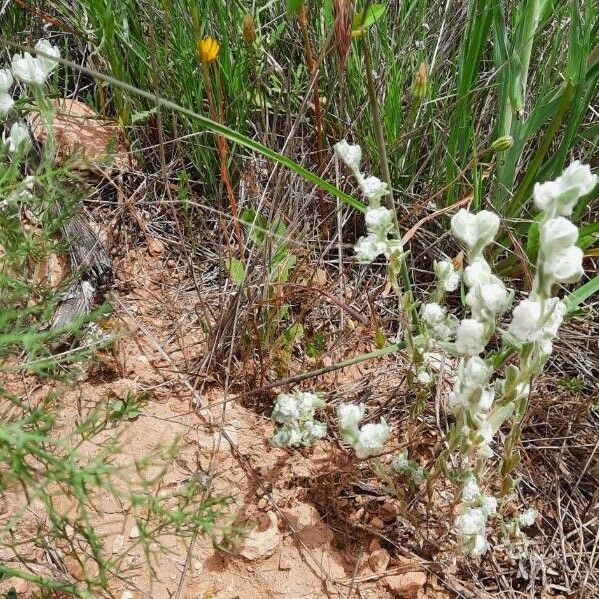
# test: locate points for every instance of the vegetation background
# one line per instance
(228, 176)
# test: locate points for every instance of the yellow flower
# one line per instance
(208, 49)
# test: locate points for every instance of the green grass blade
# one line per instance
(574, 299)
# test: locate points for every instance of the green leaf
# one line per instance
(580, 295)
(257, 224)
(281, 270)
(364, 21)
(294, 6)
(236, 270)
(589, 234)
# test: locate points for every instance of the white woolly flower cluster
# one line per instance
(403, 466)
(537, 319)
(372, 187)
(35, 70)
(477, 231)
(471, 523)
(18, 138)
(512, 530)
(6, 100)
(295, 412)
(559, 197)
(487, 296)
(380, 222)
(448, 278)
(439, 324)
(27, 69)
(366, 441)
(472, 397)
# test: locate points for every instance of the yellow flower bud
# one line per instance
(208, 49)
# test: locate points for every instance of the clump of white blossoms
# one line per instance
(411, 469)
(35, 70)
(448, 278)
(478, 403)
(26, 69)
(380, 221)
(534, 326)
(472, 396)
(6, 100)
(18, 138)
(536, 320)
(471, 522)
(296, 412)
(369, 439)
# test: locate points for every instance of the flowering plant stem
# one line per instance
(312, 68)
(377, 125)
(217, 115)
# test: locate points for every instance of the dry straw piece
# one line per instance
(343, 27)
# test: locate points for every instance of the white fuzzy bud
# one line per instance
(446, 274)
(536, 321)
(475, 230)
(559, 197)
(350, 154)
(6, 80)
(6, 103)
(470, 337)
(371, 439)
(18, 139)
(527, 518)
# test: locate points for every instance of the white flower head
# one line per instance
(49, 62)
(470, 337)
(536, 321)
(350, 154)
(6, 103)
(528, 517)
(478, 272)
(379, 221)
(373, 188)
(286, 409)
(488, 300)
(19, 139)
(424, 377)
(447, 276)
(557, 233)
(433, 314)
(475, 230)
(471, 490)
(295, 412)
(312, 431)
(475, 371)
(350, 415)
(371, 439)
(28, 69)
(6, 80)
(307, 404)
(470, 527)
(400, 462)
(369, 248)
(559, 197)
(470, 390)
(565, 265)
(35, 71)
(488, 504)
(440, 325)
